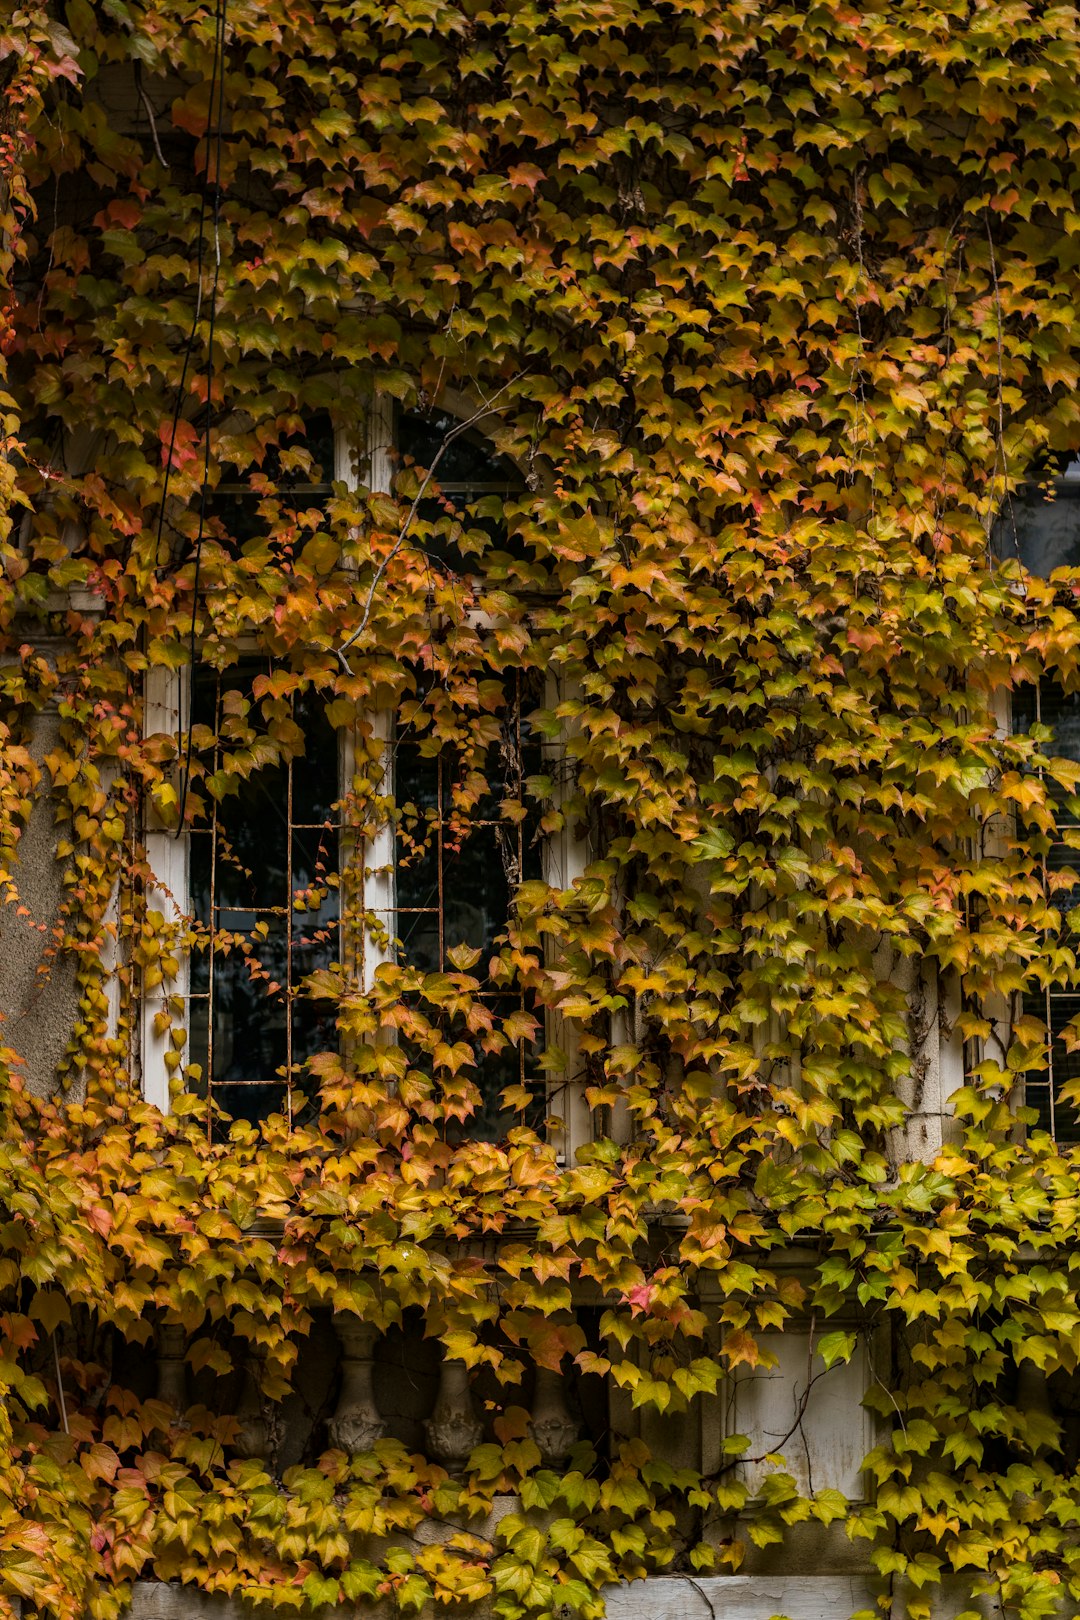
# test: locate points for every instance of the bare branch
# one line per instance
(148, 109)
(403, 533)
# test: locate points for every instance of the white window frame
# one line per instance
(1002, 1009)
(163, 1008)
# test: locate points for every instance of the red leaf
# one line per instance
(179, 444)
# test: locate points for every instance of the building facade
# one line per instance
(540, 736)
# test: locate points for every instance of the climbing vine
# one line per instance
(772, 309)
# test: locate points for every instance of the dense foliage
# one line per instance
(773, 305)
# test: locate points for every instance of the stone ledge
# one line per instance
(662, 1597)
(775, 1597)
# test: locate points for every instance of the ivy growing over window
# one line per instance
(538, 645)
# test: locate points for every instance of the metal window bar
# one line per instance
(1056, 1006)
(474, 868)
(221, 914)
(470, 472)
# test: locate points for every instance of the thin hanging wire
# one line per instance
(193, 330)
(216, 111)
(60, 1384)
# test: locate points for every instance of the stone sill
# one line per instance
(662, 1597)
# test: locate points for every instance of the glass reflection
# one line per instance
(1040, 524)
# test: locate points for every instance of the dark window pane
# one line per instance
(1051, 707)
(1040, 524)
(234, 513)
(1060, 858)
(1043, 1091)
(233, 517)
(264, 888)
(315, 780)
(1060, 711)
(317, 439)
(465, 518)
(252, 842)
(456, 878)
(469, 459)
(287, 462)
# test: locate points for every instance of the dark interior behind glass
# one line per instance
(1041, 525)
(264, 887)
(456, 881)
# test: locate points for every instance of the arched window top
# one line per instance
(1040, 523)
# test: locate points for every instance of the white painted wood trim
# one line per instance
(380, 448)
(378, 894)
(378, 888)
(828, 1444)
(165, 709)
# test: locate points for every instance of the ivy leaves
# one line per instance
(770, 332)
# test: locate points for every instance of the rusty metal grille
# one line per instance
(456, 869)
(1056, 1006)
(266, 852)
(456, 877)
(264, 865)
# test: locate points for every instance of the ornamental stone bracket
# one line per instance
(553, 1427)
(253, 1437)
(355, 1425)
(453, 1429)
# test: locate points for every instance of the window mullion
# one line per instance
(376, 852)
(166, 709)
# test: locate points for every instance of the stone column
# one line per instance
(355, 1425)
(253, 1432)
(171, 1366)
(453, 1428)
(554, 1430)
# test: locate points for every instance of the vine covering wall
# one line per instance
(773, 306)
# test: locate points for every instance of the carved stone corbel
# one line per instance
(453, 1428)
(554, 1429)
(253, 1432)
(355, 1425)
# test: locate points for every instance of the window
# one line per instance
(457, 866)
(300, 471)
(263, 885)
(1057, 1005)
(1040, 524)
(473, 485)
(254, 890)
(466, 832)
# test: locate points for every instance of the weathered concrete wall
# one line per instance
(717, 1597)
(38, 995)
